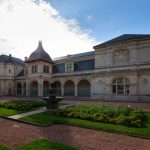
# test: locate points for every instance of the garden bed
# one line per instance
(119, 115)
(47, 118)
(22, 104)
(14, 107)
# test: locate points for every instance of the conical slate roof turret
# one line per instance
(39, 54)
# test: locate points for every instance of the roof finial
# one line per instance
(40, 43)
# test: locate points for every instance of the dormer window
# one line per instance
(34, 69)
(69, 67)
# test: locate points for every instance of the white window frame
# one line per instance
(125, 84)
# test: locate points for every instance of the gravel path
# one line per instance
(144, 106)
(14, 134)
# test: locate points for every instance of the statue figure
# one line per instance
(52, 101)
(52, 90)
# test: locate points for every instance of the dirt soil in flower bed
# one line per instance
(15, 134)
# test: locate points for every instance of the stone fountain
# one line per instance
(52, 100)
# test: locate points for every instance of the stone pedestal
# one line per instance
(52, 103)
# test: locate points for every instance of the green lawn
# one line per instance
(41, 144)
(46, 119)
(9, 112)
(3, 147)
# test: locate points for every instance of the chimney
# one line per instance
(9, 56)
(25, 58)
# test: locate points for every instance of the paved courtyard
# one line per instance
(14, 134)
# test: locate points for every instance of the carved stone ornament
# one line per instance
(100, 82)
(121, 57)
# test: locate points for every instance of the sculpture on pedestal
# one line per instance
(52, 100)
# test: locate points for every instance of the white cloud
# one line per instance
(24, 22)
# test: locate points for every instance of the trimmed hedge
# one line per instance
(22, 104)
(120, 115)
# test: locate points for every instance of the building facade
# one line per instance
(118, 69)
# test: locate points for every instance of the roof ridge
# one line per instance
(121, 38)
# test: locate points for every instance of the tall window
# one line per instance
(34, 69)
(9, 70)
(26, 72)
(46, 69)
(120, 86)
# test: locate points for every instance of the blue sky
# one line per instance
(107, 18)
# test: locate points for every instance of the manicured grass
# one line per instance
(9, 112)
(3, 147)
(40, 144)
(14, 107)
(43, 144)
(45, 119)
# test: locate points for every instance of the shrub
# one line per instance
(112, 120)
(122, 120)
(120, 115)
(136, 123)
(135, 120)
(22, 104)
(95, 116)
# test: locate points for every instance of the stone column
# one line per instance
(22, 92)
(92, 88)
(28, 88)
(40, 87)
(62, 89)
(133, 88)
(76, 90)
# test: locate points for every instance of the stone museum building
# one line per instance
(118, 69)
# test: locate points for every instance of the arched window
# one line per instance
(69, 88)
(84, 88)
(120, 86)
(19, 89)
(45, 88)
(34, 88)
(58, 88)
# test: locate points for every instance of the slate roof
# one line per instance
(39, 54)
(10, 59)
(79, 55)
(123, 37)
(21, 74)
